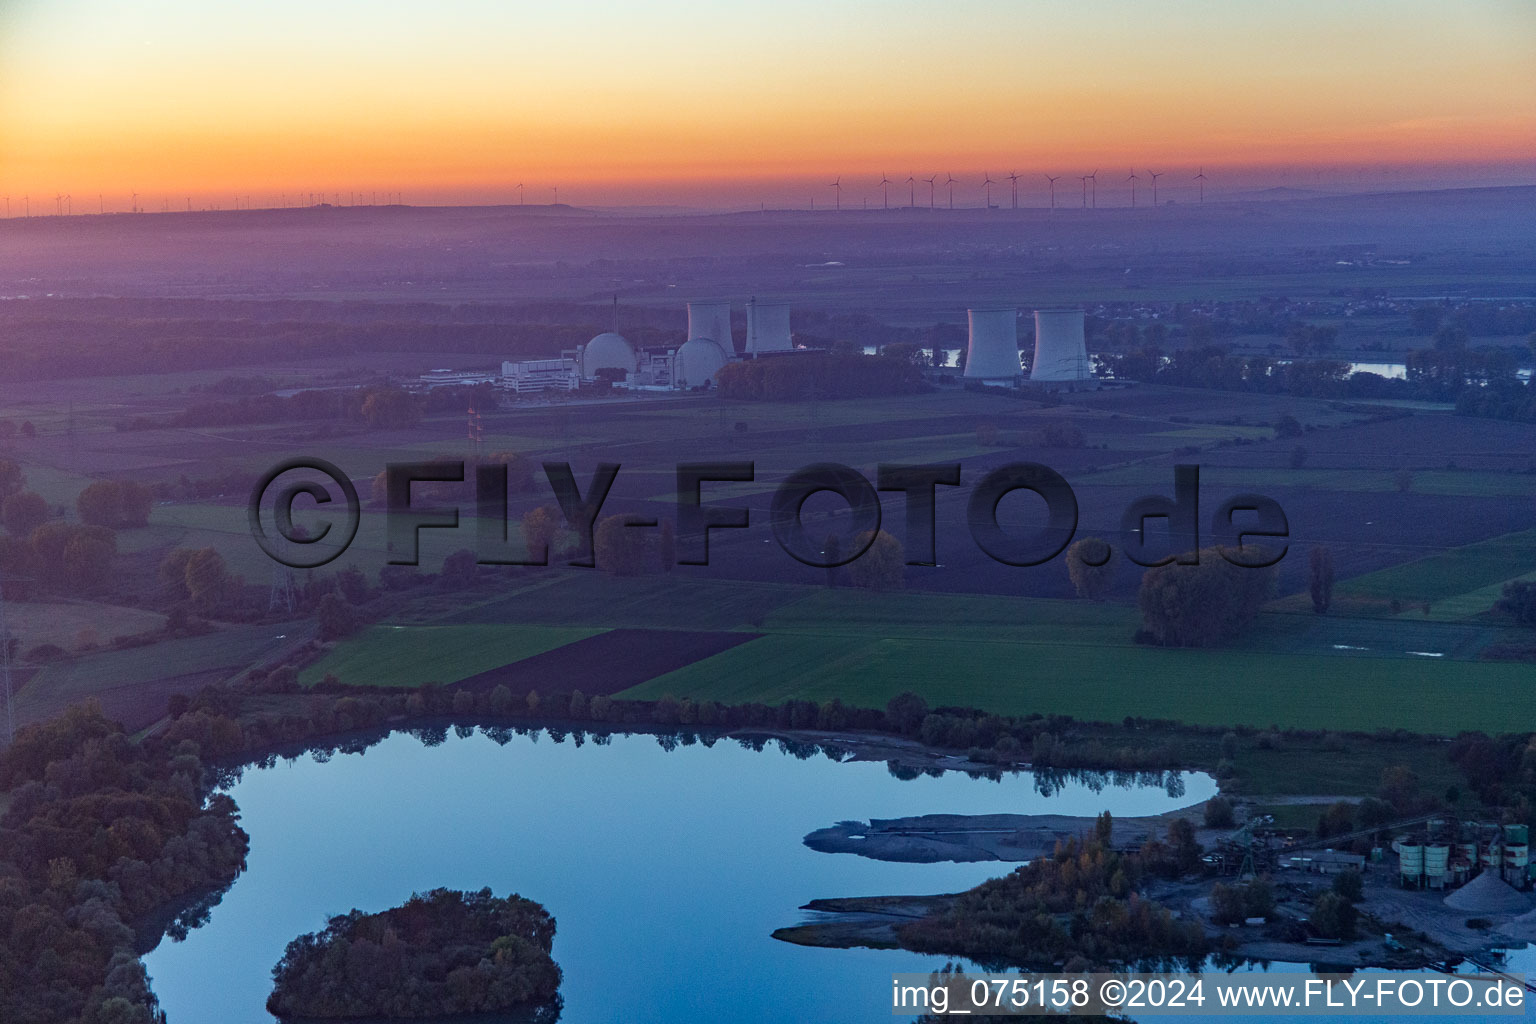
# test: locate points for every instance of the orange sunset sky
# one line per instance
(721, 103)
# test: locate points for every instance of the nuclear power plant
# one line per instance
(992, 355)
(1061, 354)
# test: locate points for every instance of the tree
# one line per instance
(1519, 602)
(173, 571)
(1349, 885)
(390, 408)
(1333, 916)
(1218, 813)
(1288, 426)
(1336, 820)
(24, 512)
(1320, 578)
(905, 712)
(118, 504)
(11, 478)
(1088, 564)
(87, 558)
(207, 578)
(1203, 604)
(619, 548)
(882, 566)
(335, 617)
(1450, 338)
(539, 529)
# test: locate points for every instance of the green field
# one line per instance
(413, 655)
(1100, 682)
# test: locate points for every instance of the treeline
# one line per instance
(439, 954)
(100, 833)
(796, 378)
(1482, 381)
(1079, 907)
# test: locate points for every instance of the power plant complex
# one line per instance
(992, 356)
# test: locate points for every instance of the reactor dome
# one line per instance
(697, 362)
(607, 351)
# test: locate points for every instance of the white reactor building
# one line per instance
(1060, 351)
(993, 353)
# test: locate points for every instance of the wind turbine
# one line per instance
(1201, 179)
(930, 182)
(986, 184)
(837, 186)
(1155, 175)
(950, 180)
(1133, 180)
(885, 191)
(133, 203)
(519, 193)
(58, 205)
(1093, 180)
(912, 191)
(1052, 182)
(1013, 176)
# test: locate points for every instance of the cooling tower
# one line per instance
(1060, 352)
(994, 349)
(768, 327)
(712, 320)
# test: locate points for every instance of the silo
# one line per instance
(768, 327)
(1411, 856)
(993, 353)
(712, 320)
(1437, 858)
(1061, 353)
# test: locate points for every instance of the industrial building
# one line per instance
(1061, 352)
(1447, 854)
(993, 350)
(533, 375)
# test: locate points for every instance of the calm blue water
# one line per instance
(666, 871)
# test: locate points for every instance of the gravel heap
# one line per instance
(1488, 894)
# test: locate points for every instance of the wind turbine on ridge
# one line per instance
(1155, 175)
(1201, 179)
(930, 182)
(885, 191)
(986, 185)
(1052, 184)
(912, 191)
(950, 180)
(1013, 176)
(838, 187)
(1133, 179)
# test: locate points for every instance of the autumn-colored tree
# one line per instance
(620, 549)
(118, 504)
(540, 527)
(390, 408)
(1089, 566)
(882, 566)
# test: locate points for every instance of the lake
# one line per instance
(666, 870)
